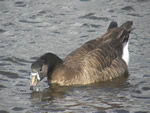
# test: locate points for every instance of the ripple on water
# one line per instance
(3, 111)
(28, 21)
(95, 25)
(85, 0)
(20, 4)
(146, 76)
(23, 71)
(93, 17)
(122, 111)
(135, 14)
(2, 31)
(4, 64)
(142, 0)
(91, 25)
(17, 109)
(128, 8)
(40, 13)
(16, 60)
(9, 74)
(140, 112)
(2, 87)
(8, 24)
(133, 1)
(146, 88)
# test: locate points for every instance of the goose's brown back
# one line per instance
(78, 54)
(97, 60)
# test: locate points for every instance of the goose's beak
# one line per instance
(34, 79)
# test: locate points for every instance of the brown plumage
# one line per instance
(97, 60)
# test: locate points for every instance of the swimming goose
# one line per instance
(97, 60)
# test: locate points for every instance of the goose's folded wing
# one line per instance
(82, 51)
(103, 63)
(77, 55)
(114, 32)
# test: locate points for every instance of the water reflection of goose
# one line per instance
(97, 60)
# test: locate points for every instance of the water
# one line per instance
(30, 28)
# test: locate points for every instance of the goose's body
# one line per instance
(97, 60)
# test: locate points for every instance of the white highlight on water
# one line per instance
(125, 55)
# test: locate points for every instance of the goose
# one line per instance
(98, 60)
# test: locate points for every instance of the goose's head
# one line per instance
(124, 39)
(43, 67)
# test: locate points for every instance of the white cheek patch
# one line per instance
(35, 74)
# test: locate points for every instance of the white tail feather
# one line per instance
(125, 55)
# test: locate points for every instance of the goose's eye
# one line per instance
(40, 70)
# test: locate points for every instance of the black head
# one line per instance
(43, 67)
(121, 37)
(122, 32)
(127, 26)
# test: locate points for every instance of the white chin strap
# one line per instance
(35, 74)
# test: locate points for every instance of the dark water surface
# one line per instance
(29, 28)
